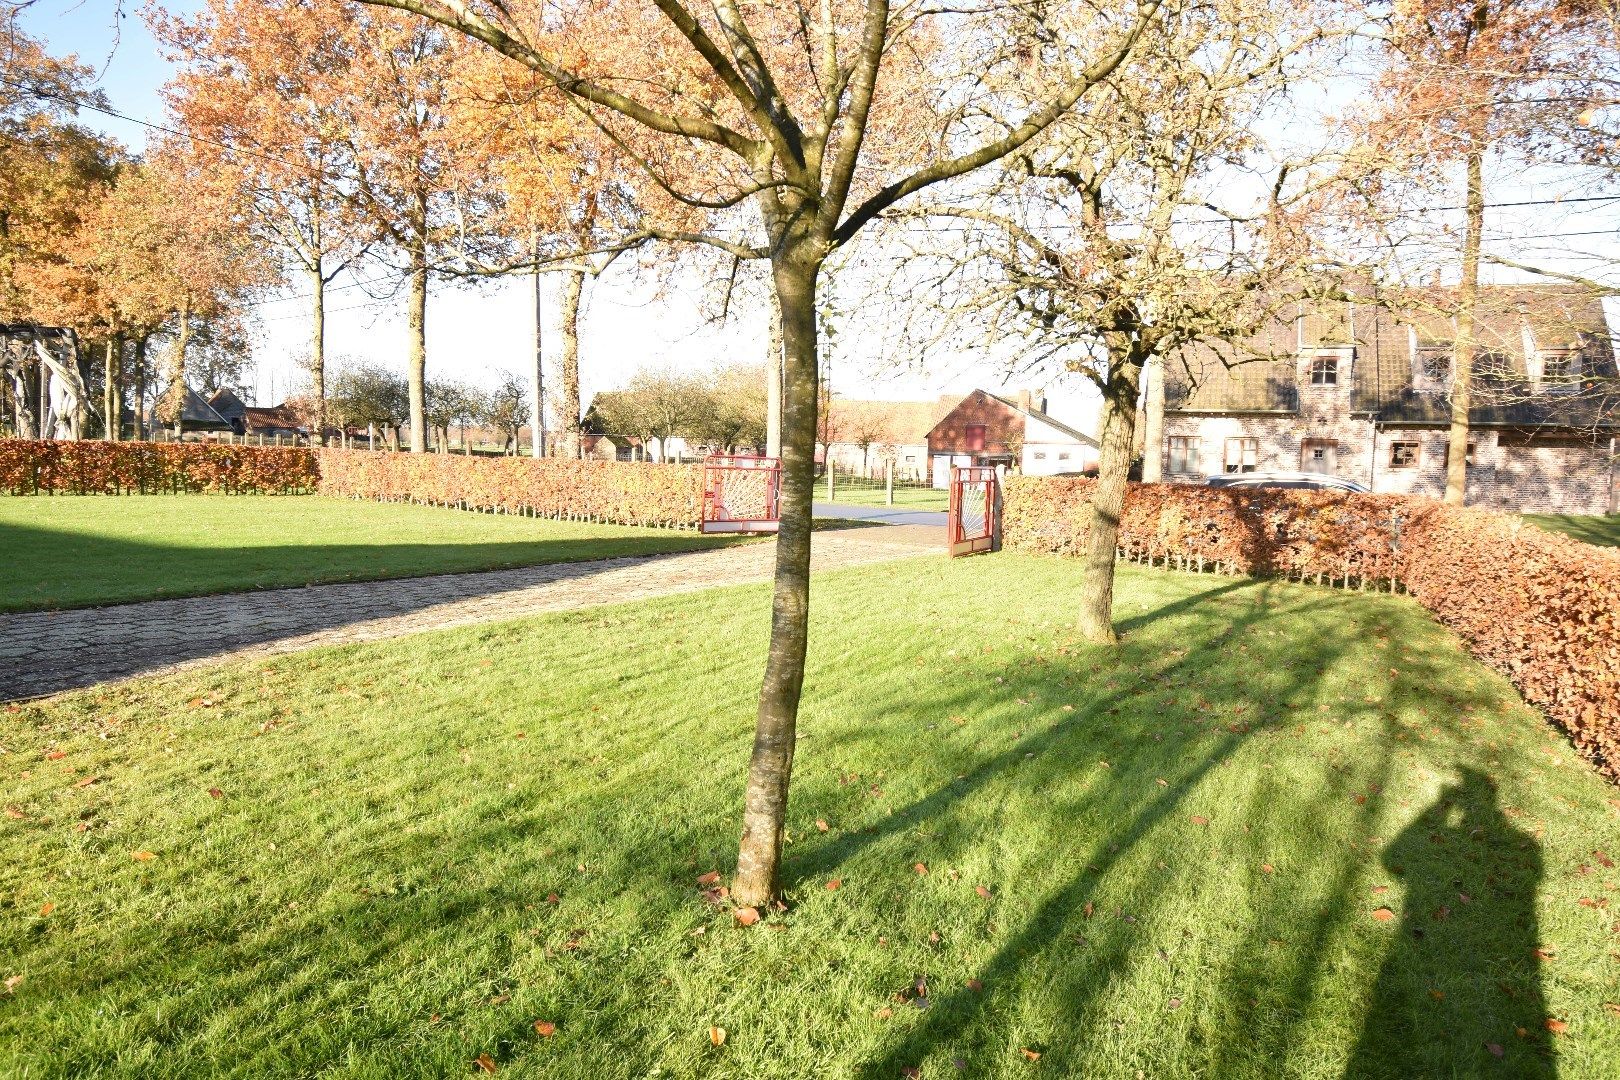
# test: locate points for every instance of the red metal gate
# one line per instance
(740, 494)
(974, 522)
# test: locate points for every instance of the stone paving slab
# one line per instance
(48, 652)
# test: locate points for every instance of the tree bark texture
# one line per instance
(140, 387)
(317, 356)
(773, 381)
(112, 398)
(573, 287)
(771, 766)
(1462, 365)
(416, 374)
(1096, 614)
(537, 388)
(174, 403)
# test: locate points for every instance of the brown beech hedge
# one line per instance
(53, 467)
(1540, 608)
(609, 491)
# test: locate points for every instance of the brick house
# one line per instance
(1359, 390)
(986, 429)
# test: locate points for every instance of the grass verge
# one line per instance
(1279, 831)
(1602, 531)
(82, 551)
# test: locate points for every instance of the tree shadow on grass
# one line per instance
(1285, 1000)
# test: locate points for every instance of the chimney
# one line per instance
(1037, 401)
(1022, 400)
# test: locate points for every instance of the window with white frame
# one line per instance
(1242, 455)
(1184, 454)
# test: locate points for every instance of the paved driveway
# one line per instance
(888, 515)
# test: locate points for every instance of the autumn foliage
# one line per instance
(610, 491)
(58, 467)
(1543, 610)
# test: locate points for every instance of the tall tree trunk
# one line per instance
(1462, 364)
(174, 407)
(573, 286)
(140, 387)
(1096, 609)
(416, 363)
(112, 398)
(537, 390)
(795, 270)
(317, 355)
(1153, 422)
(773, 381)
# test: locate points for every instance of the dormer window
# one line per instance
(1561, 368)
(1326, 367)
(1431, 367)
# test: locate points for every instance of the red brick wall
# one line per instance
(1001, 423)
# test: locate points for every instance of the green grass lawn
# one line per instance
(1603, 531)
(858, 491)
(77, 551)
(1174, 859)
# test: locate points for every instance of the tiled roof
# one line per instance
(1228, 378)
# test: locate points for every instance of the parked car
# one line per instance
(1299, 480)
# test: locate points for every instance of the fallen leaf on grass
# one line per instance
(717, 1036)
(1377, 889)
(1603, 860)
(1557, 1027)
(1033, 1055)
(710, 878)
(1197, 820)
(747, 916)
(911, 1072)
(884, 1013)
(835, 884)
(975, 985)
(1495, 1049)
(1175, 1003)
(12, 982)
(56, 755)
(1611, 1008)
(46, 908)
(1090, 907)
(1267, 868)
(921, 869)
(143, 856)
(545, 1028)
(484, 1062)
(984, 893)
(15, 814)
(553, 898)
(821, 825)
(1438, 995)
(215, 793)
(86, 782)
(1383, 914)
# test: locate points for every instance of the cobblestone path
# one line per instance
(51, 651)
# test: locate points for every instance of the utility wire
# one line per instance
(37, 92)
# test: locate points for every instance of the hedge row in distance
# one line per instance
(61, 467)
(1542, 609)
(612, 491)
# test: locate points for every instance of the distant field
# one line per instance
(1603, 531)
(80, 551)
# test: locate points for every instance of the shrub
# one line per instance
(614, 491)
(1542, 609)
(54, 467)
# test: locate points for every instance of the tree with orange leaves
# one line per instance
(261, 92)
